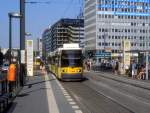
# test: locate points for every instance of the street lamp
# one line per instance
(27, 34)
(11, 15)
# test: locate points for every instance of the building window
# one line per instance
(140, 44)
(131, 44)
(100, 30)
(134, 37)
(99, 43)
(113, 44)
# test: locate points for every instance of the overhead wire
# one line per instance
(67, 8)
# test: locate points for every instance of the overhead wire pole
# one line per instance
(10, 38)
(80, 16)
(22, 40)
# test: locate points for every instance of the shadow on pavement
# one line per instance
(11, 107)
(30, 84)
(23, 95)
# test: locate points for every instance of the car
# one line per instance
(5, 67)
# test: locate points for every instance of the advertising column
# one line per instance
(29, 46)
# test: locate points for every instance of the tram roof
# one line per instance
(60, 49)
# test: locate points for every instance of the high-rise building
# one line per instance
(39, 47)
(63, 31)
(109, 22)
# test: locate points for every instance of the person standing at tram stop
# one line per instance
(11, 77)
(133, 69)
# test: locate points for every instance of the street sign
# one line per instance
(103, 55)
(23, 56)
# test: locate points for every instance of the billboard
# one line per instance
(126, 55)
(29, 48)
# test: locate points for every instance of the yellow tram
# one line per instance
(67, 62)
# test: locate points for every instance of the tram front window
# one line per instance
(71, 58)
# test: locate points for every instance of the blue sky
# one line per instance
(38, 17)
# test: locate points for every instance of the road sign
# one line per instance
(103, 55)
(23, 56)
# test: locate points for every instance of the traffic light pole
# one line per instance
(22, 40)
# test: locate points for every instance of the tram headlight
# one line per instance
(64, 70)
(79, 70)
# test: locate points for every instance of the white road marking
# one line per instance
(75, 107)
(72, 103)
(68, 96)
(64, 91)
(78, 111)
(52, 106)
(69, 99)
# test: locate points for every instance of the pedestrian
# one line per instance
(11, 77)
(133, 69)
(42, 67)
(113, 63)
(116, 67)
(88, 65)
(141, 74)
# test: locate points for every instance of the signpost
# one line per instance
(126, 55)
(29, 57)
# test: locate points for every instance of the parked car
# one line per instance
(5, 67)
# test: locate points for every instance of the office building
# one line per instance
(109, 22)
(63, 31)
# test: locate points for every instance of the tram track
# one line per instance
(93, 101)
(99, 96)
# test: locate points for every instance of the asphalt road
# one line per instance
(98, 94)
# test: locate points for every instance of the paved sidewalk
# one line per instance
(42, 94)
(122, 78)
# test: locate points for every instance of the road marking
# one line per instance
(68, 97)
(72, 103)
(52, 106)
(78, 111)
(66, 94)
(75, 107)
